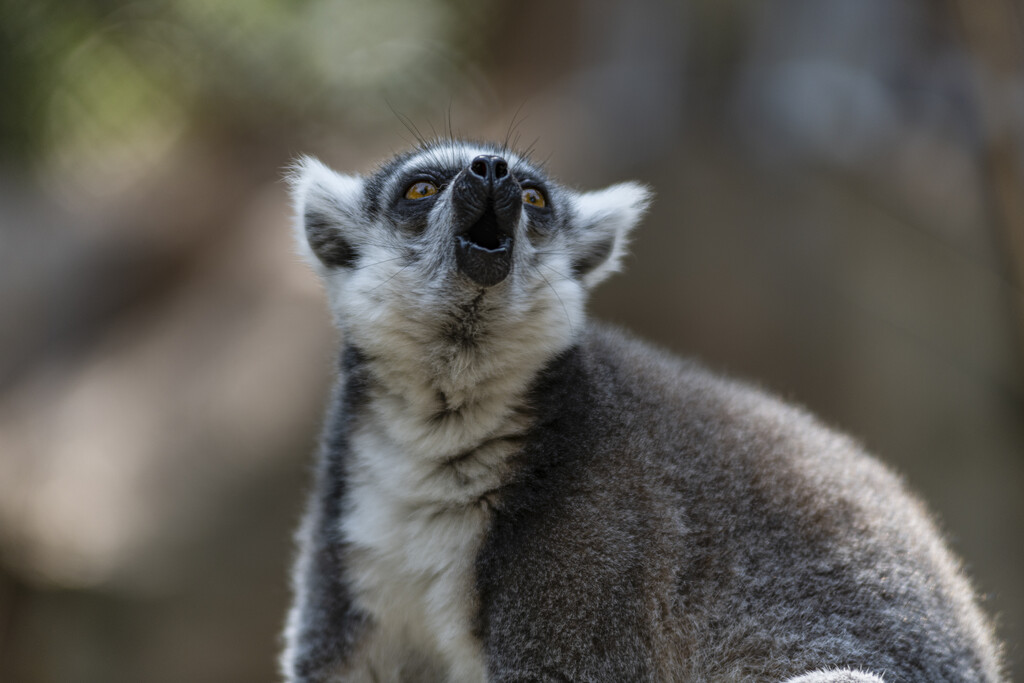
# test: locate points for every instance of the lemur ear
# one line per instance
(327, 205)
(604, 219)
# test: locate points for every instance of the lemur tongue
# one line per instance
(484, 252)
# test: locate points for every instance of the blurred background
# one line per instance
(839, 217)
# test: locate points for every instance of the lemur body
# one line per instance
(507, 492)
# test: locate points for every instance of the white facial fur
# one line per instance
(404, 289)
(443, 415)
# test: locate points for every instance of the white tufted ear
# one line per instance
(328, 206)
(604, 219)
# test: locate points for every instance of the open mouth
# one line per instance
(484, 251)
(485, 233)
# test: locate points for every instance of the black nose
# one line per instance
(489, 167)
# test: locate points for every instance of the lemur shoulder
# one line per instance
(506, 491)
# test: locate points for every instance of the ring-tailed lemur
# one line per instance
(508, 492)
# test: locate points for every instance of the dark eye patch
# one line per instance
(542, 220)
(411, 214)
(437, 179)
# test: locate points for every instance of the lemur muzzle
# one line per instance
(487, 200)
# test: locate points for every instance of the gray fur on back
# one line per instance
(507, 492)
(733, 536)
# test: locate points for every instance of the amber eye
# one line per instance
(420, 190)
(534, 197)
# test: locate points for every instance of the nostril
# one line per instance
(479, 167)
(500, 168)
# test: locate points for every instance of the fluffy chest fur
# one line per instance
(415, 515)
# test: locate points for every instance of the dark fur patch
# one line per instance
(595, 255)
(333, 633)
(326, 241)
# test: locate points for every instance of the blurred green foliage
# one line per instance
(126, 78)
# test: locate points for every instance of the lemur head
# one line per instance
(457, 251)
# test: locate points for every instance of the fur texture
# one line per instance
(506, 492)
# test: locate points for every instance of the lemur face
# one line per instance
(480, 204)
(453, 231)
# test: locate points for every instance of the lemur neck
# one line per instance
(445, 377)
(441, 399)
(439, 412)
